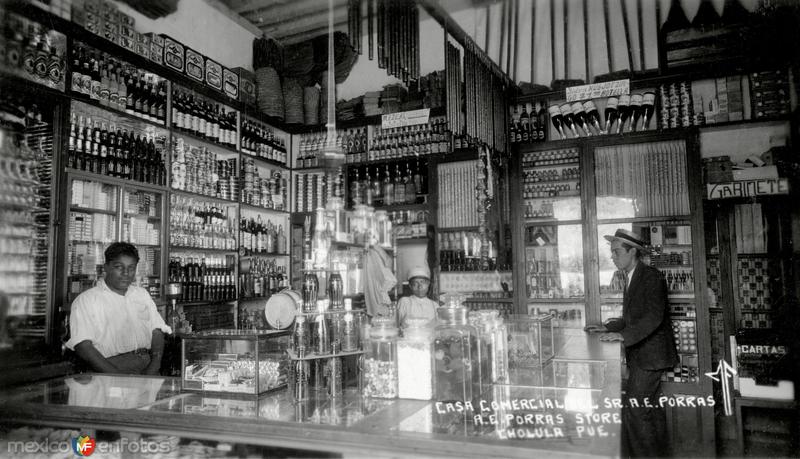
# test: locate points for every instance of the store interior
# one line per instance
(285, 168)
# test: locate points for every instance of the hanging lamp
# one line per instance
(332, 155)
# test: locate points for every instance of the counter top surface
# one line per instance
(569, 412)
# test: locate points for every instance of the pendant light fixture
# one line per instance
(332, 155)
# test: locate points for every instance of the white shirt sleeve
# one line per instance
(83, 323)
(156, 321)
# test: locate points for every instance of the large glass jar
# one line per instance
(415, 360)
(455, 356)
(380, 359)
(483, 323)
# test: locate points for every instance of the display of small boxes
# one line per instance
(213, 74)
(230, 83)
(195, 65)
(234, 361)
(174, 54)
(156, 48)
(247, 85)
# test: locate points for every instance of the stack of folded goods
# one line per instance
(350, 109)
(392, 97)
(311, 105)
(269, 93)
(432, 88)
(293, 99)
(372, 103)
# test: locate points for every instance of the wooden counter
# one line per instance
(571, 421)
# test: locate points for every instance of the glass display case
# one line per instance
(234, 361)
(531, 346)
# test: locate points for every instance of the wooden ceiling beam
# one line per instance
(309, 34)
(243, 6)
(306, 23)
(284, 13)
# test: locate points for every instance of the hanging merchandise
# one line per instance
(398, 39)
(452, 68)
(354, 23)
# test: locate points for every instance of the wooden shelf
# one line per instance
(578, 300)
(86, 175)
(312, 356)
(257, 255)
(271, 162)
(192, 138)
(263, 209)
(538, 221)
(391, 161)
(357, 122)
(181, 248)
(202, 196)
(92, 211)
(538, 182)
(206, 302)
(551, 166)
(683, 219)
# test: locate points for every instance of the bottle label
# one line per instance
(612, 103)
(95, 88)
(76, 85)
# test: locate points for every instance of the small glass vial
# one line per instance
(415, 361)
(300, 336)
(320, 333)
(350, 328)
(380, 360)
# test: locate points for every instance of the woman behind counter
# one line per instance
(418, 305)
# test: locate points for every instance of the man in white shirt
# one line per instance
(115, 326)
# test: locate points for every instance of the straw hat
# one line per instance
(627, 237)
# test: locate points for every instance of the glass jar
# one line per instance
(358, 223)
(384, 229)
(455, 356)
(380, 359)
(301, 341)
(415, 361)
(500, 370)
(483, 325)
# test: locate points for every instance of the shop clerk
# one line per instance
(114, 326)
(418, 304)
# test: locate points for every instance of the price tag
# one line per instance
(403, 119)
(598, 90)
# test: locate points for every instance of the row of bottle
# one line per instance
(528, 123)
(417, 140)
(206, 279)
(260, 140)
(113, 83)
(351, 142)
(582, 119)
(551, 175)
(262, 238)
(404, 187)
(105, 148)
(200, 225)
(263, 278)
(550, 158)
(31, 50)
(203, 118)
(549, 191)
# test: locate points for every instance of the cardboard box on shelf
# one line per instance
(753, 173)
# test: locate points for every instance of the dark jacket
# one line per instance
(648, 339)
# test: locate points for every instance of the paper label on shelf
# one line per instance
(748, 188)
(598, 90)
(403, 119)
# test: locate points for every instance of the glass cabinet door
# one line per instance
(643, 188)
(553, 234)
(93, 225)
(141, 226)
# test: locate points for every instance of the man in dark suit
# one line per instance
(646, 333)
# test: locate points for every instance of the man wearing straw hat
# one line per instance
(646, 333)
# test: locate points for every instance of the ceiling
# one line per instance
(290, 21)
(293, 21)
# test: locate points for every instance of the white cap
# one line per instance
(419, 271)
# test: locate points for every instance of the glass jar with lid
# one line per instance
(455, 355)
(380, 359)
(415, 360)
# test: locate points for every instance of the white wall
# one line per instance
(201, 27)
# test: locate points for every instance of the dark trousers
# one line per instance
(133, 362)
(644, 428)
